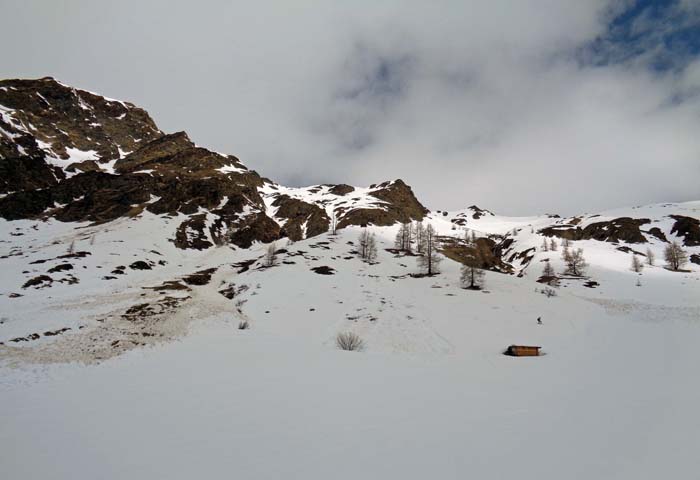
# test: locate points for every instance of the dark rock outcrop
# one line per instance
(38, 282)
(64, 118)
(27, 173)
(623, 229)
(688, 228)
(478, 212)
(85, 166)
(400, 205)
(656, 232)
(486, 252)
(254, 227)
(299, 213)
(341, 189)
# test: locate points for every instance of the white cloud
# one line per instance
(470, 102)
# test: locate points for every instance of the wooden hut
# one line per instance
(522, 351)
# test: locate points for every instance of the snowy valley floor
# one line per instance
(615, 397)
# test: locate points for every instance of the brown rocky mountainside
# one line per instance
(77, 156)
(47, 118)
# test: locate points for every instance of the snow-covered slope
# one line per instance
(51, 266)
(431, 394)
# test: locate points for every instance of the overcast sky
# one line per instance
(520, 106)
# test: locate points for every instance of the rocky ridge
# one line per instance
(80, 157)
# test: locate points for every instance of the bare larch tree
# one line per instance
(429, 262)
(472, 273)
(404, 237)
(271, 255)
(675, 256)
(334, 224)
(650, 257)
(419, 236)
(368, 246)
(575, 263)
(637, 264)
(553, 245)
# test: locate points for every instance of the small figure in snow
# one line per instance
(539, 320)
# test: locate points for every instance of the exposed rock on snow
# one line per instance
(688, 228)
(620, 229)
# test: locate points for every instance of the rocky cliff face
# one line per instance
(63, 125)
(77, 156)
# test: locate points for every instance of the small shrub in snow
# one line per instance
(243, 325)
(349, 341)
(549, 292)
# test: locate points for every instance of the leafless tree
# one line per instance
(553, 245)
(471, 277)
(675, 256)
(472, 273)
(419, 235)
(364, 243)
(545, 245)
(469, 237)
(368, 246)
(650, 257)
(429, 262)
(271, 255)
(71, 248)
(334, 224)
(548, 270)
(549, 274)
(372, 249)
(404, 237)
(575, 262)
(637, 264)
